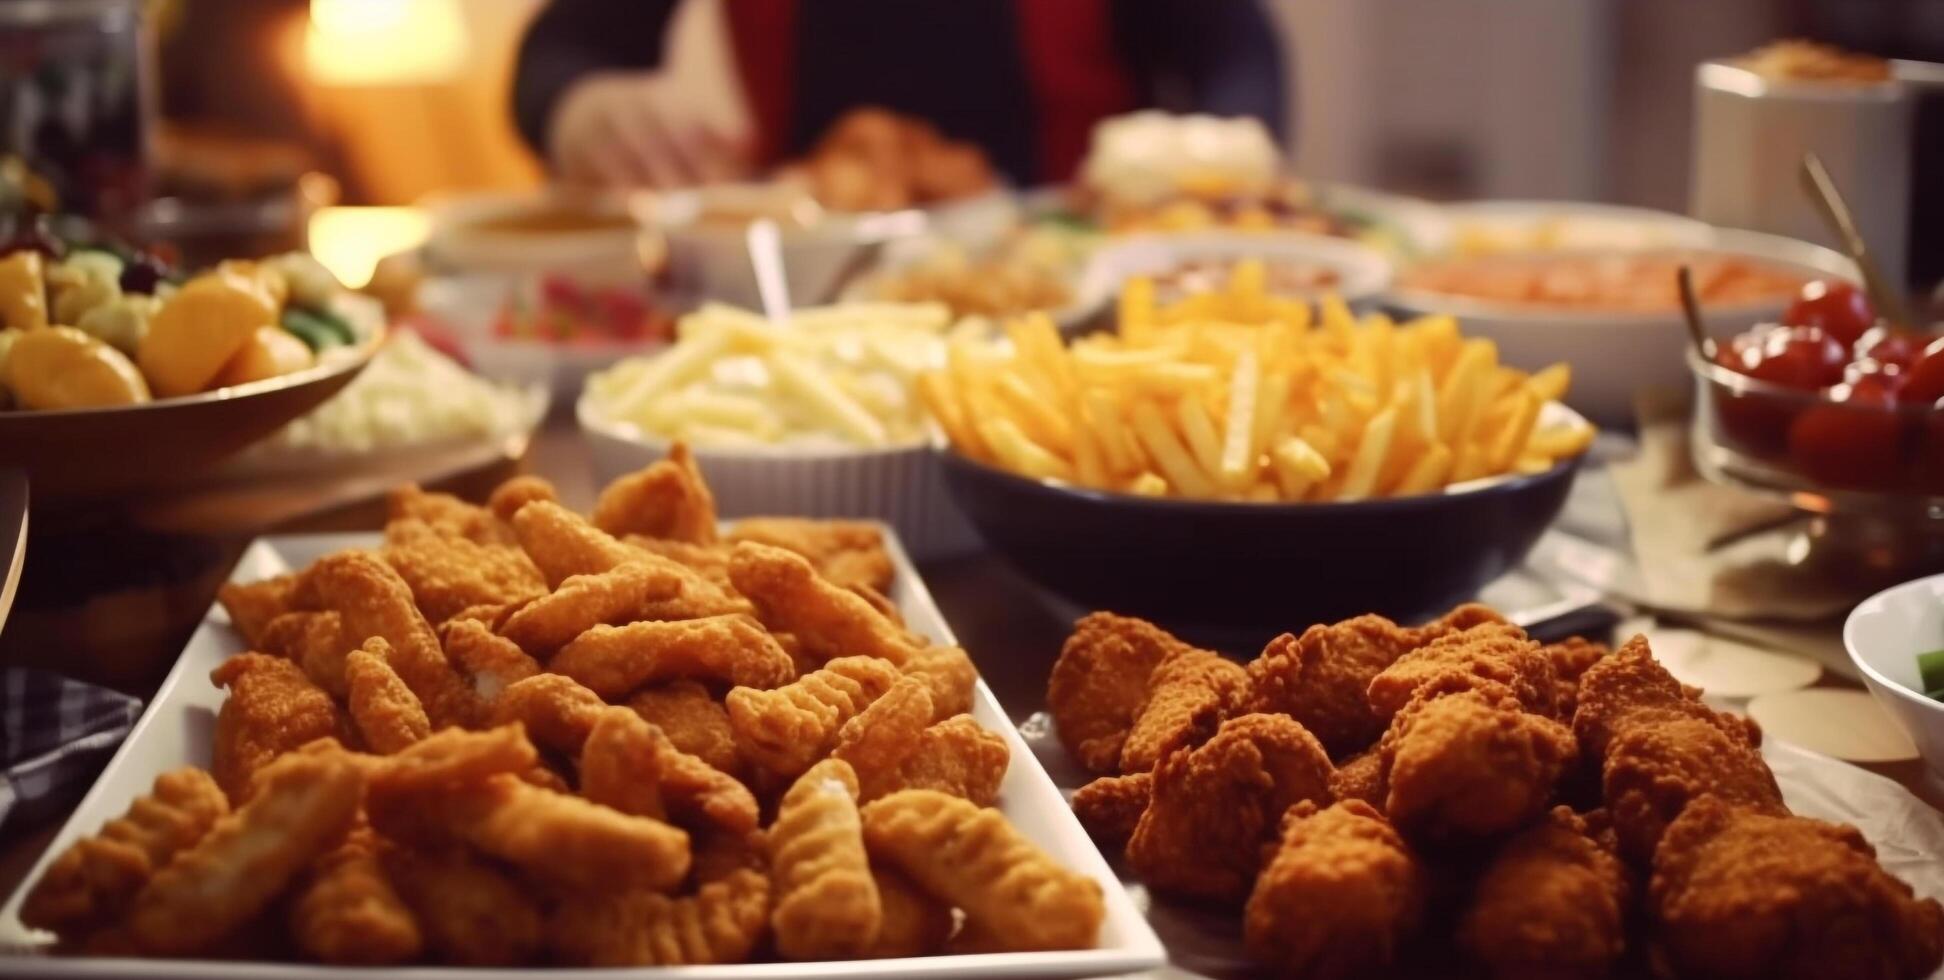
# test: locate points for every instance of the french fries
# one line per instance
(1238, 394)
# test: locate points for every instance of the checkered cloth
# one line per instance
(55, 735)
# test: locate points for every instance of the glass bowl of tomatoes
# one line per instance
(1829, 406)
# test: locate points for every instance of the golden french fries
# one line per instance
(1237, 394)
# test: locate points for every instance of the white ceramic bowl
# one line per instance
(459, 244)
(1884, 635)
(1362, 273)
(902, 486)
(1615, 354)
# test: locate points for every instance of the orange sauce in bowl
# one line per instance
(1635, 283)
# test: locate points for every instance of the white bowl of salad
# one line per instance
(1896, 640)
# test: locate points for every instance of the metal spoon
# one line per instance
(1821, 189)
(1691, 306)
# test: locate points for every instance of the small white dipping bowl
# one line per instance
(1884, 635)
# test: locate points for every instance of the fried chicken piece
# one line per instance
(720, 923)
(1570, 659)
(667, 499)
(711, 561)
(448, 758)
(1339, 898)
(1497, 655)
(1471, 763)
(621, 594)
(348, 913)
(876, 740)
(613, 660)
(253, 605)
(1653, 771)
(1213, 807)
(913, 923)
(783, 731)
(719, 854)
(449, 574)
(973, 858)
(93, 881)
(385, 711)
(631, 765)
(827, 905)
(507, 499)
(1110, 808)
(271, 708)
(1629, 688)
(300, 806)
(563, 839)
(314, 641)
(827, 620)
(1361, 777)
(954, 756)
(1552, 902)
(1320, 678)
(471, 913)
(492, 662)
(1188, 695)
(562, 544)
(374, 601)
(1100, 683)
(949, 677)
(694, 721)
(447, 514)
(1737, 893)
(556, 712)
(847, 553)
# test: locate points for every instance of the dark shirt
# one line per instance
(1024, 79)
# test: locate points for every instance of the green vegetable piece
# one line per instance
(314, 333)
(1930, 670)
(334, 323)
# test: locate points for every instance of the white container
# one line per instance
(901, 486)
(460, 243)
(1884, 635)
(1750, 133)
(1615, 354)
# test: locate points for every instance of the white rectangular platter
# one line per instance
(176, 730)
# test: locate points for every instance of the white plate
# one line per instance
(176, 731)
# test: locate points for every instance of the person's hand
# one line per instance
(636, 130)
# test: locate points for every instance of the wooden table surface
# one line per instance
(1012, 631)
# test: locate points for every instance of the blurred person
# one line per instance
(597, 95)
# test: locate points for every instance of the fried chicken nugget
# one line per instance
(955, 756)
(1360, 777)
(491, 661)
(1339, 898)
(878, 739)
(613, 660)
(507, 499)
(92, 882)
(1570, 659)
(619, 766)
(1653, 771)
(1100, 683)
(556, 712)
(720, 923)
(784, 730)
(848, 553)
(1490, 654)
(450, 574)
(1552, 902)
(562, 544)
(1188, 695)
(1629, 688)
(913, 923)
(949, 677)
(253, 605)
(560, 838)
(450, 757)
(271, 709)
(1213, 807)
(973, 858)
(666, 499)
(827, 620)
(471, 913)
(711, 561)
(827, 905)
(694, 721)
(301, 805)
(385, 711)
(1110, 808)
(447, 514)
(314, 641)
(1471, 763)
(1740, 894)
(621, 594)
(374, 601)
(349, 913)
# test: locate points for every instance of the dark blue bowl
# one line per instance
(1239, 572)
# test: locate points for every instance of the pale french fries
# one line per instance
(1237, 394)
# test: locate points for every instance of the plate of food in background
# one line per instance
(595, 236)
(753, 749)
(1289, 265)
(1304, 461)
(550, 330)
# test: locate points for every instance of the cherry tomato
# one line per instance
(1876, 377)
(1794, 357)
(1854, 440)
(1836, 306)
(1889, 345)
(1924, 381)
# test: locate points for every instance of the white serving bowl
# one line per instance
(1363, 273)
(1615, 354)
(1884, 635)
(903, 486)
(459, 243)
